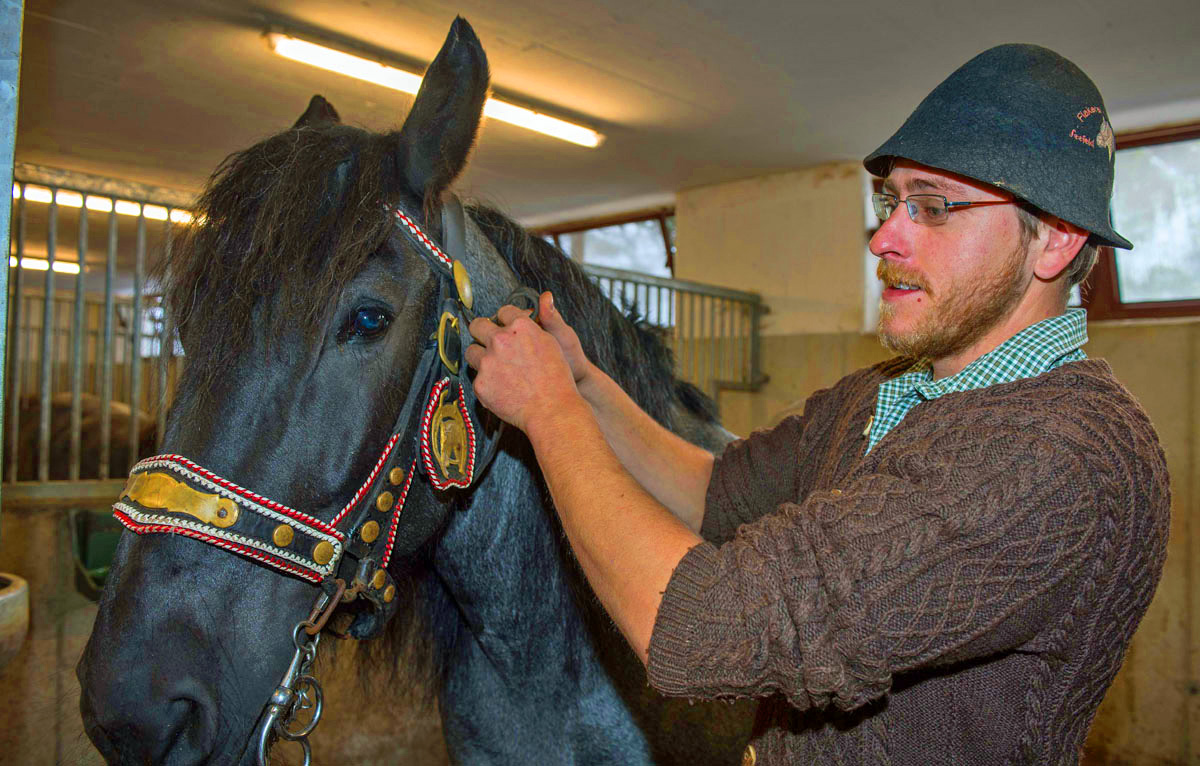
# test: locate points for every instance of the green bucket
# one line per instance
(94, 536)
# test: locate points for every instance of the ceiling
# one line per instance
(687, 92)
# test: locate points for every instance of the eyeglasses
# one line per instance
(925, 209)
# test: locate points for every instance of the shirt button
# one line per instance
(835, 492)
(749, 756)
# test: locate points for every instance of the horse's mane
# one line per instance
(291, 219)
(626, 347)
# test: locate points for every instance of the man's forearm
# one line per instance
(627, 543)
(676, 472)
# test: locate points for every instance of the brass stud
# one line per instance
(396, 476)
(370, 531)
(389, 594)
(749, 756)
(384, 501)
(323, 552)
(462, 280)
(379, 579)
(283, 535)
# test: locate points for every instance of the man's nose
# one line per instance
(893, 238)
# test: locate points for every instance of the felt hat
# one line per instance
(1026, 120)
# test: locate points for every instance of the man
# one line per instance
(941, 561)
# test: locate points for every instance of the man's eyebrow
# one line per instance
(926, 184)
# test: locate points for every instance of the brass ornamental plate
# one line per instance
(164, 492)
(448, 438)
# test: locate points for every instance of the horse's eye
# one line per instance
(369, 323)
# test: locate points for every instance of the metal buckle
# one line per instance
(452, 320)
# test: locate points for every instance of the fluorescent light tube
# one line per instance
(39, 264)
(101, 204)
(397, 79)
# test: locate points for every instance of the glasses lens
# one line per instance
(927, 209)
(885, 205)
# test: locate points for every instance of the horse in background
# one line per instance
(304, 312)
(120, 423)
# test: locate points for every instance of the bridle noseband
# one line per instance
(347, 556)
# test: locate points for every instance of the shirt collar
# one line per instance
(1030, 352)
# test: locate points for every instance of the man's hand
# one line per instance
(553, 323)
(523, 374)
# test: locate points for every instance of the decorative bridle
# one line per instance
(347, 556)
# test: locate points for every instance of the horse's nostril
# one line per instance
(189, 719)
(184, 727)
(179, 729)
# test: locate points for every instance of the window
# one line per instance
(643, 242)
(1156, 205)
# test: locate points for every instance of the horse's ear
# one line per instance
(440, 129)
(319, 112)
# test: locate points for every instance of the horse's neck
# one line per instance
(503, 563)
(524, 671)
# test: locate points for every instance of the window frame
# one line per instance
(660, 214)
(1100, 293)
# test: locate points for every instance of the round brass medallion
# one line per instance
(384, 501)
(462, 281)
(283, 535)
(749, 756)
(389, 594)
(396, 476)
(370, 531)
(378, 580)
(323, 552)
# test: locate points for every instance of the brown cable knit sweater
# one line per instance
(964, 594)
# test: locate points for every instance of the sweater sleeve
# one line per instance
(729, 503)
(772, 460)
(955, 549)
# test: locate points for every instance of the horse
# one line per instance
(307, 317)
(90, 437)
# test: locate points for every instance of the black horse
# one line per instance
(304, 314)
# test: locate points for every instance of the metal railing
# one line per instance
(713, 331)
(89, 377)
(87, 382)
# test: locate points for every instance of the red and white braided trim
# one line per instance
(399, 507)
(420, 235)
(145, 523)
(387, 450)
(426, 447)
(255, 502)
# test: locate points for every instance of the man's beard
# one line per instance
(961, 315)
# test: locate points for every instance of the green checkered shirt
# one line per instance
(1038, 348)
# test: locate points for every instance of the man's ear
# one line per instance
(1058, 246)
